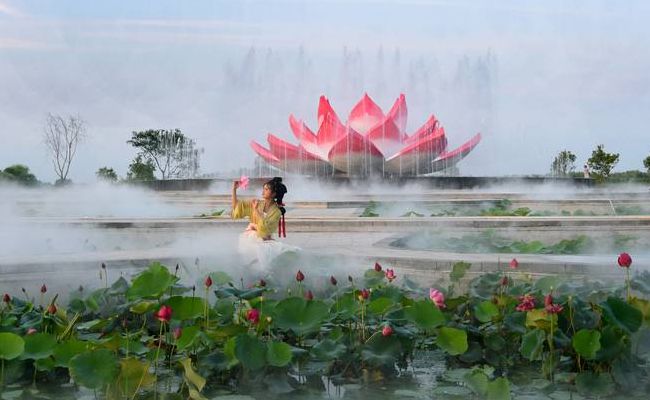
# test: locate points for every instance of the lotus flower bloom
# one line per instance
(387, 331)
(390, 274)
(164, 314)
(253, 316)
(364, 294)
(550, 307)
(624, 260)
(208, 281)
(514, 264)
(243, 182)
(437, 297)
(527, 303)
(369, 141)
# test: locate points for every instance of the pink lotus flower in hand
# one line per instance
(243, 182)
(437, 297)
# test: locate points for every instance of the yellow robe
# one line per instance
(267, 225)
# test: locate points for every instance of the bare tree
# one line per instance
(62, 136)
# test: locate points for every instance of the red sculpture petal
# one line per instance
(354, 153)
(365, 114)
(287, 151)
(330, 131)
(263, 152)
(425, 130)
(301, 131)
(324, 108)
(399, 114)
(386, 136)
(449, 159)
(416, 157)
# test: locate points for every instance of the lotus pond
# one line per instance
(379, 335)
(492, 241)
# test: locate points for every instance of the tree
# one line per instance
(62, 136)
(141, 171)
(106, 174)
(646, 163)
(171, 152)
(563, 164)
(18, 174)
(601, 163)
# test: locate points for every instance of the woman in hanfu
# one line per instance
(266, 217)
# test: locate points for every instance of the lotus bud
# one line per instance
(300, 276)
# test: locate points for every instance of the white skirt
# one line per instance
(253, 248)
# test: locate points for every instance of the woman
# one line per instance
(266, 217)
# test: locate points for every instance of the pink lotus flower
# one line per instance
(369, 141)
(309, 295)
(390, 275)
(437, 297)
(364, 294)
(164, 314)
(624, 260)
(527, 303)
(253, 316)
(208, 281)
(177, 333)
(51, 309)
(514, 264)
(377, 267)
(243, 182)
(387, 331)
(550, 307)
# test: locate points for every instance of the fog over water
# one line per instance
(534, 78)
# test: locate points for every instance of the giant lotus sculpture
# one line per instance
(369, 142)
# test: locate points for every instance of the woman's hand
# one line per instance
(254, 204)
(235, 185)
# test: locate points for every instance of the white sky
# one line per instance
(571, 74)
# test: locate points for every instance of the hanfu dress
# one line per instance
(256, 243)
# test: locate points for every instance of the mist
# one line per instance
(533, 78)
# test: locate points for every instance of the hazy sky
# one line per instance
(571, 74)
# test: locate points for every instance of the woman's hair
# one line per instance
(279, 190)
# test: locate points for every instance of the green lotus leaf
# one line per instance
(458, 271)
(64, 351)
(586, 342)
(299, 315)
(188, 338)
(94, 369)
(191, 375)
(594, 385)
(452, 340)
(498, 389)
(250, 351)
(328, 350)
(477, 381)
(381, 350)
(134, 375)
(186, 307)
(12, 345)
(278, 354)
(38, 345)
(220, 278)
(424, 314)
(532, 344)
(380, 305)
(485, 311)
(618, 312)
(151, 283)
